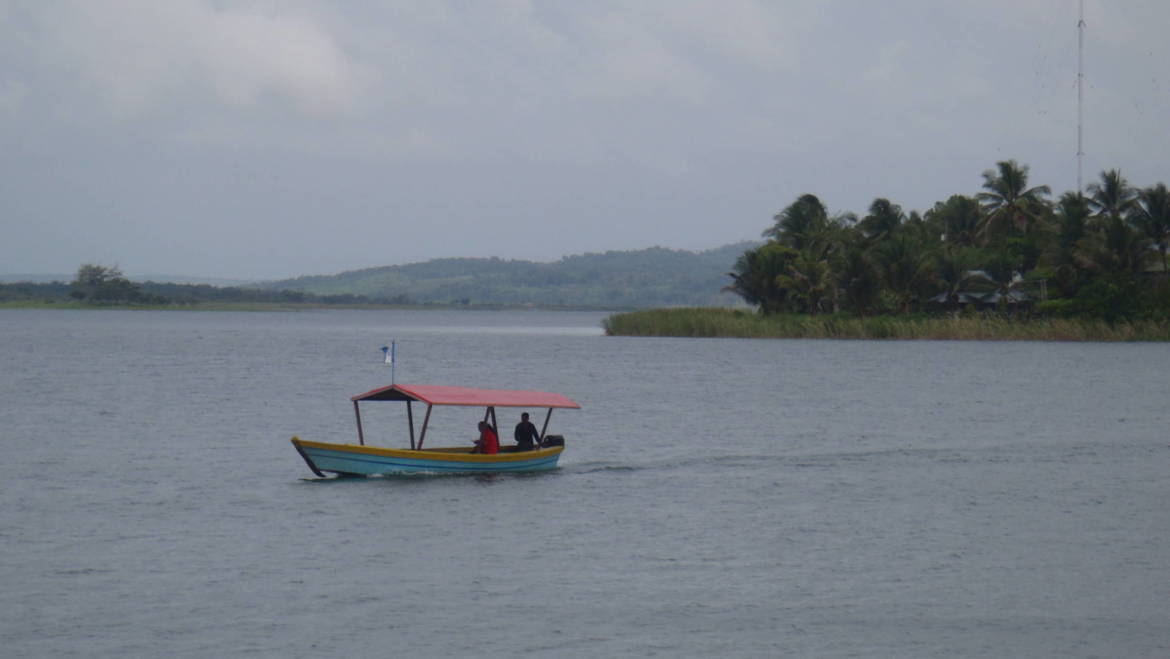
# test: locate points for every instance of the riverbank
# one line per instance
(729, 323)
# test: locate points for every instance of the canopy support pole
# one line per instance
(547, 417)
(358, 415)
(410, 420)
(426, 420)
(491, 414)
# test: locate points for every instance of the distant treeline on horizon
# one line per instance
(1008, 249)
(617, 279)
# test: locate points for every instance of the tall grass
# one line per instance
(712, 322)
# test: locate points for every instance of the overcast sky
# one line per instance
(265, 139)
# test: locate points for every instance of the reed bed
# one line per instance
(730, 323)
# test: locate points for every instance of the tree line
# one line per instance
(100, 285)
(648, 277)
(1010, 247)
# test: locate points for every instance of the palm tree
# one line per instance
(806, 221)
(859, 279)
(1002, 269)
(960, 218)
(755, 273)
(814, 239)
(882, 219)
(1151, 214)
(905, 267)
(809, 281)
(955, 268)
(927, 231)
(1070, 220)
(1113, 248)
(1008, 201)
(1113, 196)
(800, 222)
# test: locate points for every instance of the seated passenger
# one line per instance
(487, 443)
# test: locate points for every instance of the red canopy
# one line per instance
(434, 394)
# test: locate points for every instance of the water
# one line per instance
(733, 498)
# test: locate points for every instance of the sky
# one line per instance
(258, 139)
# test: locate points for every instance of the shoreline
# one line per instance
(730, 323)
(293, 306)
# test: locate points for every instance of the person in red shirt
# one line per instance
(488, 443)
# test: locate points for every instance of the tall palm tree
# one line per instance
(859, 279)
(884, 216)
(1151, 214)
(1070, 222)
(1111, 245)
(1070, 219)
(926, 231)
(905, 266)
(1113, 196)
(960, 217)
(799, 222)
(1008, 201)
(1113, 248)
(809, 281)
(754, 277)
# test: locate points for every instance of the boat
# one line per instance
(363, 460)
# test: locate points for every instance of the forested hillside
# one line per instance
(650, 277)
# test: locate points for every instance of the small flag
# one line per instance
(389, 353)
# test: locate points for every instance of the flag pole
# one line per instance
(390, 356)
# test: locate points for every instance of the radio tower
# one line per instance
(1080, 91)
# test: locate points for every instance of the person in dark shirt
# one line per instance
(487, 443)
(526, 436)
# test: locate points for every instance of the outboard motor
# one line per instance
(553, 440)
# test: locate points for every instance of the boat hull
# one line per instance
(356, 460)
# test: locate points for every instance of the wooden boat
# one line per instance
(362, 460)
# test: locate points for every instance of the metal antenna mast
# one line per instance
(1080, 91)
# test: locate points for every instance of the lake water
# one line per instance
(717, 498)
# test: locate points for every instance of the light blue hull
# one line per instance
(369, 461)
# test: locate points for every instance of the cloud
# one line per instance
(141, 57)
(12, 95)
(451, 127)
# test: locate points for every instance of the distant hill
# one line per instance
(638, 278)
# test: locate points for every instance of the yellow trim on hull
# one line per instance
(449, 453)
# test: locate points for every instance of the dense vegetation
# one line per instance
(1008, 250)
